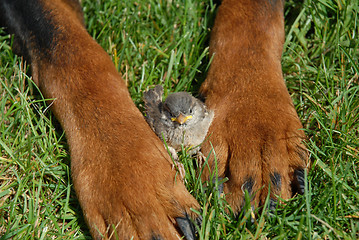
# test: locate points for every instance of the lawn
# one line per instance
(166, 42)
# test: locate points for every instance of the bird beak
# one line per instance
(181, 119)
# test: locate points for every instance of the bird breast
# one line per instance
(191, 134)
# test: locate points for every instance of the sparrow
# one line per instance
(179, 120)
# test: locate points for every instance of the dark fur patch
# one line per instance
(32, 30)
(248, 185)
(201, 97)
(156, 237)
(276, 181)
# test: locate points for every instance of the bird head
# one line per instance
(182, 106)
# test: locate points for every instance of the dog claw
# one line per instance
(187, 227)
(272, 205)
(220, 187)
(299, 180)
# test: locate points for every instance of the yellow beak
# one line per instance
(181, 119)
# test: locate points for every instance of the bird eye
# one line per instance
(190, 111)
(166, 108)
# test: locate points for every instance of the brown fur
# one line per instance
(121, 178)
(124, 180)
(255, 131)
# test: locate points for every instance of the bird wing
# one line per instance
(153, 101)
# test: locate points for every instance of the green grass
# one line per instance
(166, 42)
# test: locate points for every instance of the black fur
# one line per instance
(156, 237)
(34, 31)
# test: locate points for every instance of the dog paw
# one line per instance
(259, 155)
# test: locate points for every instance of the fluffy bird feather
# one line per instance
(179, 120)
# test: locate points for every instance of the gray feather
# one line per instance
(153, 102)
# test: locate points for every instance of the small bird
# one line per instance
(180, 120)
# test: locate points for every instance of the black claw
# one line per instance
(220, 188)
(248, 185)
(186, 226)
(247, 189)
(276, 181)
(199, 221)
(272, 205)
(244, 212)
(299, 174)
(220, 185)
(252, 214)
